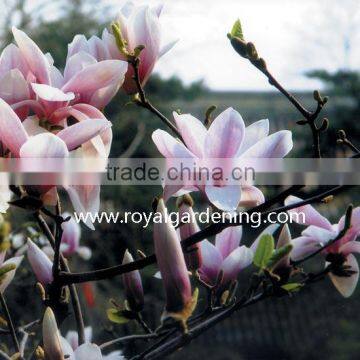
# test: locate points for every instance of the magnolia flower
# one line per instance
(227, 138)
(27, 144)
(139, 25)
(226, 257)
(40, 263)
(57, 348)
(72, 338)
(70, 241)
(193, 254)
(133, 286)
(85, 81)
(8, 269)
(171, 262)
(319, 232)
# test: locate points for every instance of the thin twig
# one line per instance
(129, 338)
(73, 292)
(9, 322)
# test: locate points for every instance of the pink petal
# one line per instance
(251, 196)
(192, 131)
(310, 215)
(85, 199)
(238, 260)
(225, 135)
(254, 133)
(78, 44)
(13, 87)
(49, 93)
(211, 262)
(71, 234)
(350, 247)
(44, 145)
(11, 58)
(347, 285)
(166, 48)
(304, 246)
(96, 76)
(77, 134)
(77, 63)
(34, 57)
(169, 147)
(228, 240)
(40, 263)
(12, 132)
(98, 49)
(354, 230)
(276, 145)
(226, 198)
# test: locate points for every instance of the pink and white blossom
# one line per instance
(227, 138)
(226, 257)
(140, 25)
(318, 234)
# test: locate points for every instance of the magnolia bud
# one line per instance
(190, 227)
(133, 286)
(51, 337)
(71, 235)
(171, 264)
(40, 263)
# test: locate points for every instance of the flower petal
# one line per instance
(169, 147)
(81, 132)
(310, 215)
(87, 352)
(49, 93)
(238, 260)
(226, 198)
(251, 196)
(254, 133)
(192, 131)
(228, 240)
(96, 76)
(347, 285)
(12, 132)
(225, 135)
(211, 262)
(276, 145)
(46, 145)
(34, 57)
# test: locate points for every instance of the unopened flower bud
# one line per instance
(40, 263)
(133, 286)
(172, 265)
(51, 337)
(190, 227)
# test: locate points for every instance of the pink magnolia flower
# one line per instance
(171, 264)
(319, 232)
(85, 81)
(57, 348)
(225, 256)
(133, 286)
(14, 136)
(227, 138)
(6, 278)
(40, 263)
(139, 25)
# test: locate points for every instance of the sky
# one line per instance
(282, 31)
(292, 36)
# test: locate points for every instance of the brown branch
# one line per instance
(211, 230)
(64, 266)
